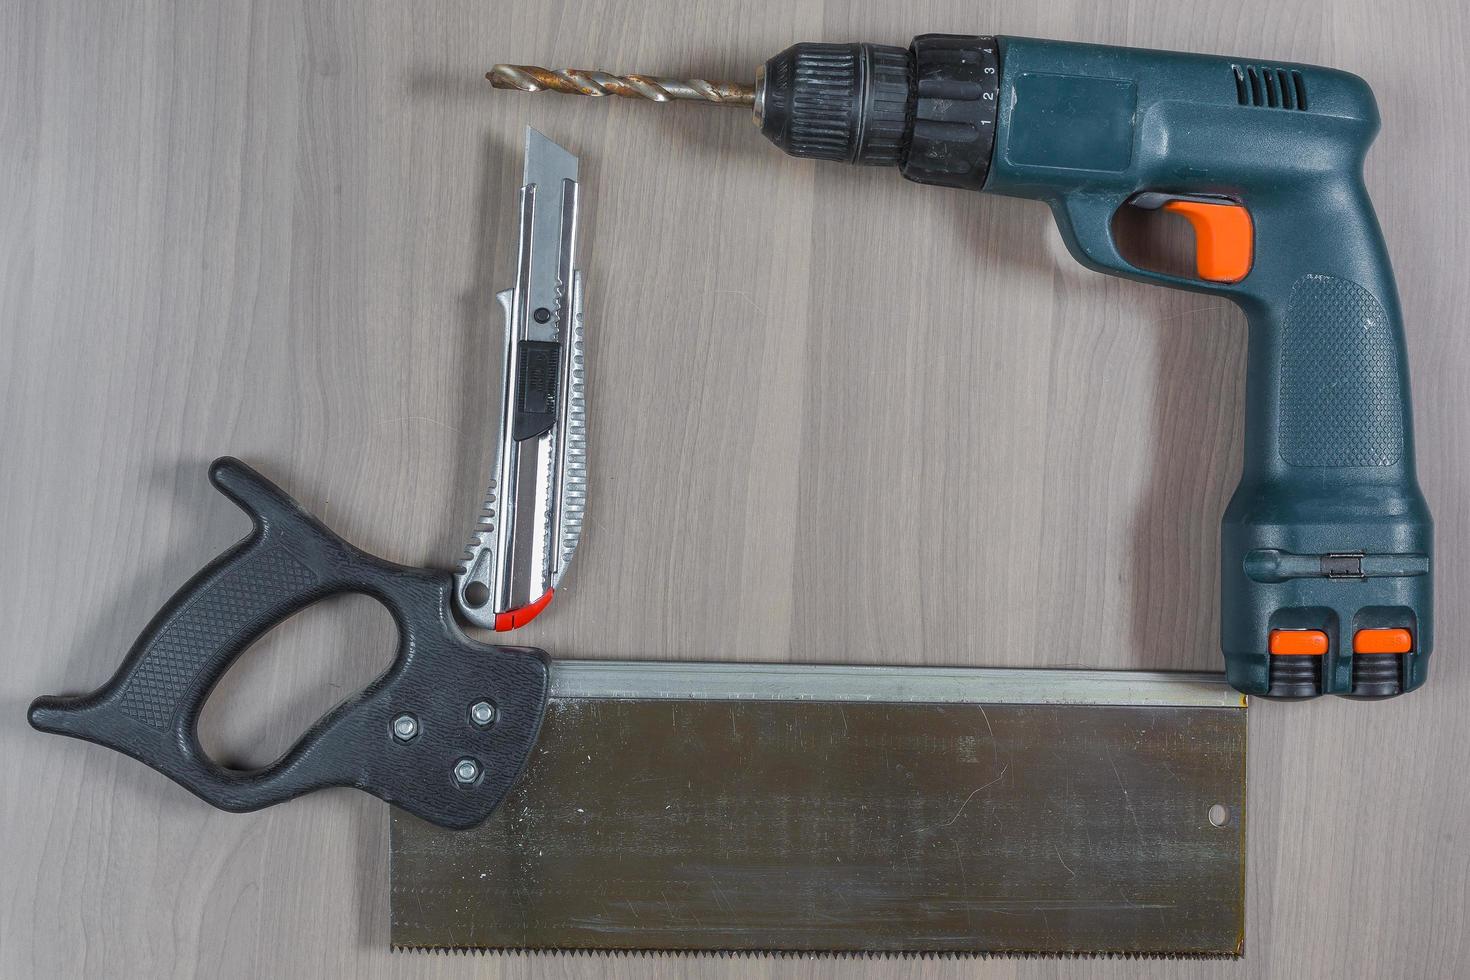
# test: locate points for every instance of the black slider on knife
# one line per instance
(536, 384)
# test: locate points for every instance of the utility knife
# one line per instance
(531, 519)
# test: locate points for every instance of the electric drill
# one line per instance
(1325, 547)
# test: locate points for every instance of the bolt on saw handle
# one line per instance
(419, 736)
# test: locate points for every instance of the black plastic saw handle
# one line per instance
(443, 763)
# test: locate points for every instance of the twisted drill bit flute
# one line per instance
(579, 81)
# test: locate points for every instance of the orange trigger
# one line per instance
(1224, 238)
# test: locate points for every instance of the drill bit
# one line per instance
(579, 81)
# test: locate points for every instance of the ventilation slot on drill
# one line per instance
(1270, 88)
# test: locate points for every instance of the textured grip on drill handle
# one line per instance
(150, 708)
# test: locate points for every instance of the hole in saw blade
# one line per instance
(286, 680)
(1219, 815)
(477, 594)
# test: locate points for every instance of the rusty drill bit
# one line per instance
(578, 81)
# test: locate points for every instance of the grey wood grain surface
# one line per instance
(835, 416)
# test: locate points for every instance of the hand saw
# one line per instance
(687, 806)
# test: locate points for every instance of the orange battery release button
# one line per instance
(1224, 238)
(1383, 641)
(1298, 643)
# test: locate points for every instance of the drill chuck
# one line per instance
(929, 109)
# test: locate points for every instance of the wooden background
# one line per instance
(835, 416)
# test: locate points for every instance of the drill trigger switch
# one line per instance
(1224, 237)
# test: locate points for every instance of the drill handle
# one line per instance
(1329, 457)
(1328, 487)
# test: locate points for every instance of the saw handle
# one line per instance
(412, 737)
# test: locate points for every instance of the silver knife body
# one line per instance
(531, 519)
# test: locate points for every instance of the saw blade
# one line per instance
(784, 808)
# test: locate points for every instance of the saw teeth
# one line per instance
(804, 954)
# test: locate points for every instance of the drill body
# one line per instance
(1326, 544)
